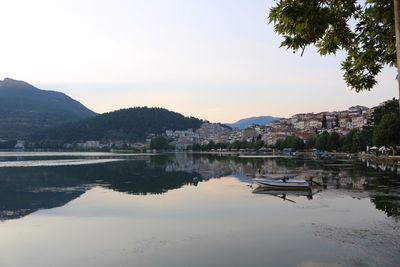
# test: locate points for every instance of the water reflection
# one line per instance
(286, 194)
(26, 190)
(148, 211)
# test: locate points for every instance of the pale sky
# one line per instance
(214, 59)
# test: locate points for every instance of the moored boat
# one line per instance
(283, 183)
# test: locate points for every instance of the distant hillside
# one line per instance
(25, 109)
(243, 123)
(132, 124)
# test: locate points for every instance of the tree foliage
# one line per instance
(390, 106)
(363, 29)
(333, 143)
(387, 133)
(292, 142)
(356, 141)
(310, 143)
(160, 143)
(322, 141)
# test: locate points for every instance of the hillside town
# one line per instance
(304, 126)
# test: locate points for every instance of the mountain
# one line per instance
(133, 124)
(243, 123)
(25, 109)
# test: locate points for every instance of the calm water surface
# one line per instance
(135, 210)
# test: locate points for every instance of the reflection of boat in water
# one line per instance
(283, 193)
(268, 191)
(283, 183)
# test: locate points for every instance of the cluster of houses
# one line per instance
(304, 126)
(307, 125)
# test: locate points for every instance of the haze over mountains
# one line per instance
(25, 109)
(243, 123)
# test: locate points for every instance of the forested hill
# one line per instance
(25, 109)
(133, 124)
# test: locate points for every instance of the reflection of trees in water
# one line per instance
(384, 191)
(387, 203)
(25, 190)
(383, 187)
(17, 204)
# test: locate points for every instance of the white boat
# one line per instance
(283, 183)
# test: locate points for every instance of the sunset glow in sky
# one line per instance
(216, 60)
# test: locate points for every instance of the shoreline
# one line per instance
(340, 155)
(381, 158)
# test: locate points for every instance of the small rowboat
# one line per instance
(283, 183)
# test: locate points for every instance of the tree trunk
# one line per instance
(397, 29)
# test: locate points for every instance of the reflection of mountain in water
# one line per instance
(25, 190)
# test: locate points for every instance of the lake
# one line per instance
(100, 209)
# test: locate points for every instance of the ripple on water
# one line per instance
(42, 163)
(379, 244)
